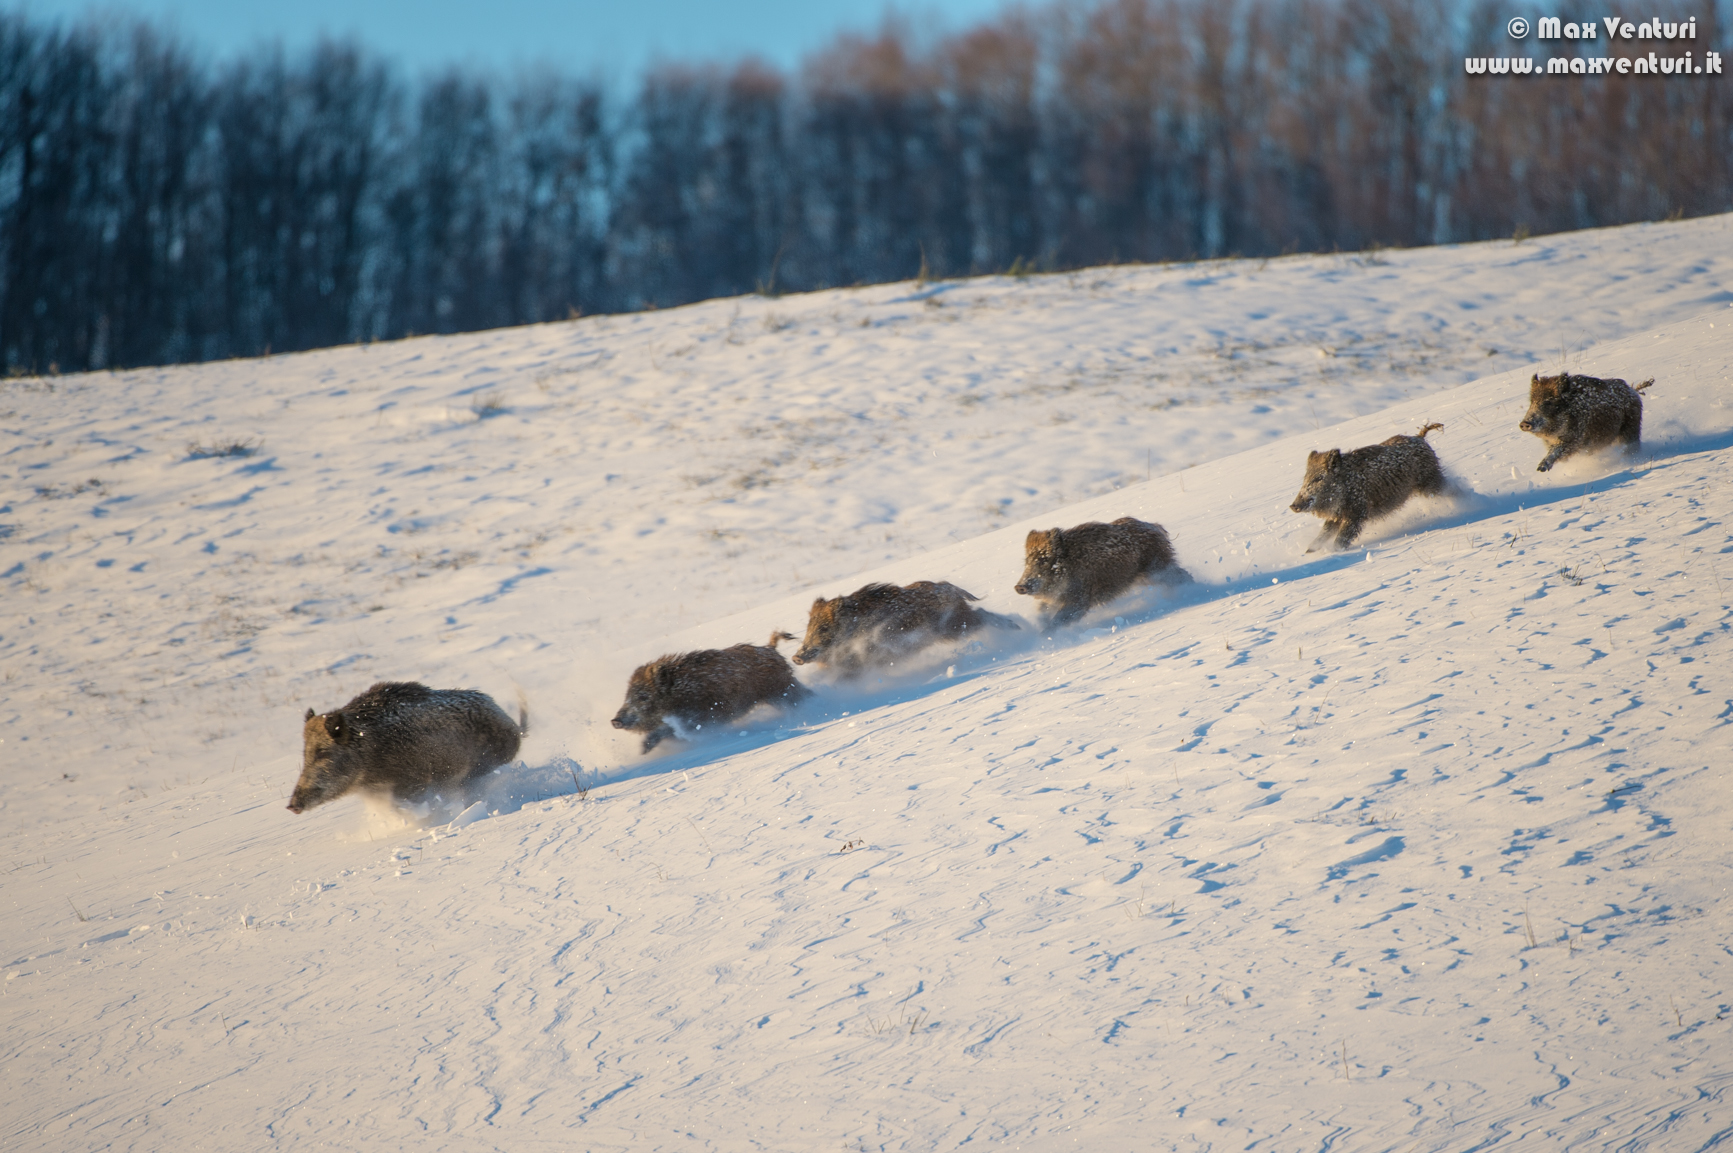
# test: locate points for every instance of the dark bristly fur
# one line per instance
(1348, 489)
(879, 623)
(708, 687)
(1573, 413)
(1071, 570)
(405, 739)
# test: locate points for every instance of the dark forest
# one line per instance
(155, 208)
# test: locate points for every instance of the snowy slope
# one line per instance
(1416, 846)
(651, 473)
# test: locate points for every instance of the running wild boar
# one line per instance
(1572, 413)
(1071, 570)
(1348, 489)
(878, 623)
(403, 739)
(708, 687)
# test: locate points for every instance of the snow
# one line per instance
(1417, 846)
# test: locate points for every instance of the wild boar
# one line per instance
(1071, 570)
(1348, 489)
(1573, 413)
(878, 623)
(708, 687)
(403, 739)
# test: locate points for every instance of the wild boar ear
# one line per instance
(1334, 459)
(310, 715)
(334, 726)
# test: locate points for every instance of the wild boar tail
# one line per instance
(523, 714)
(776, 636)
(1645, 384)
(1426, 428)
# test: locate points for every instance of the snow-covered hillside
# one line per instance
(1418, 846)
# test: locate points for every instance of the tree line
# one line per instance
(156, 208)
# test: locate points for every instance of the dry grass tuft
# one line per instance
(245, 446)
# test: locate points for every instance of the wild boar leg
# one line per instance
(1329, 530)
(1067, 614)
(657, 735)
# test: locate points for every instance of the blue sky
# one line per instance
(618, 36)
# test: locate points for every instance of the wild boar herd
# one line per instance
(1068, 571)
(407, 741)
